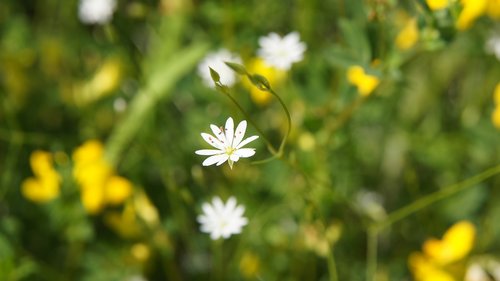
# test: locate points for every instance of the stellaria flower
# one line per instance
(216, 61)
(493, 44)
(222, 220)
(281, 52)
(96, 11)
(228, 143)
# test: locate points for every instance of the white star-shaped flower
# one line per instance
(216, 61)
(222, 220)
(281, 52)
(96, 11)
(228, 143)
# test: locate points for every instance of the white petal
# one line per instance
(218, 133)
(230, 205)
(223, 159)
(212, 141)
(246, 141)
(218, 205)
(213, 159)
(234, 157)
(229, 131)
(239, 133)
(245, 152)
(208, 152)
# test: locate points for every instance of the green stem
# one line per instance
(332, 266)
(437, 196)
(289, 122)
(371, 253)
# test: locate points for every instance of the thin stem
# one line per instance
(332, 266)
(289, 122)
(437, 196)
(371, 253)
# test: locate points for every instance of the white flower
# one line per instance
(96, 11)
(281, 52)
(216, 61)
(228, 144)
(222, 220)
(493, 45)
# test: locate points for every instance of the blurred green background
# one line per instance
(132, 84)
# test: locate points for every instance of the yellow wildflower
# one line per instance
(249, 265)
(408, 36)
(472, 9)
(365, 83)
(493, 9)
(45, 185)
(273, 75)
(99, 184)
(431, 264)
(437, 4)
(496, 95)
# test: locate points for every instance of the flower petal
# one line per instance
(212, 141)
(246, 141)
(214, 159)
(229, 131)
(208, 152)
(223, 159)
(245, 152)
(218, 133)
(234, 157)
(239, 133)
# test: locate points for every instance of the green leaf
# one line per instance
(356, 40)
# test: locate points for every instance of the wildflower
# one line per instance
(408, 36)
(99, 184)
(45, 186)
(437, 4)
(431, 264)
(273, 75)
(365, 83)
(371, 204)
(222, 220)
(105, 80)
(96, 11)
(281, 52)
(216, 61)
(495, 117)
(473, 9)
(228, 144)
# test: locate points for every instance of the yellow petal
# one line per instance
(437, 4)
(496, 95)
(457, 242)
(38, 191)
(408, 36)
(472, 9)
(117, 190)
(41, 162)
(493, 9)
(495, 117)
(424, 270)
(91, 150)
(92, 198)
(355, 74)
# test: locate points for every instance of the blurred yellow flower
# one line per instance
(249, 265)
(45, 186)
(106, 79)
(273, 75)
(430, 265)
(99, 184)
(493, 9)
(365, 83)
(408, 36)
(496, 95)
(472, 9)
(437, 4)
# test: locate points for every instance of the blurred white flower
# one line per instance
(222, 220)
(475, 272)
(493, 44)
(228, 144)
(96, 11)
(216, 61)
(281, 52)
(370, 203)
